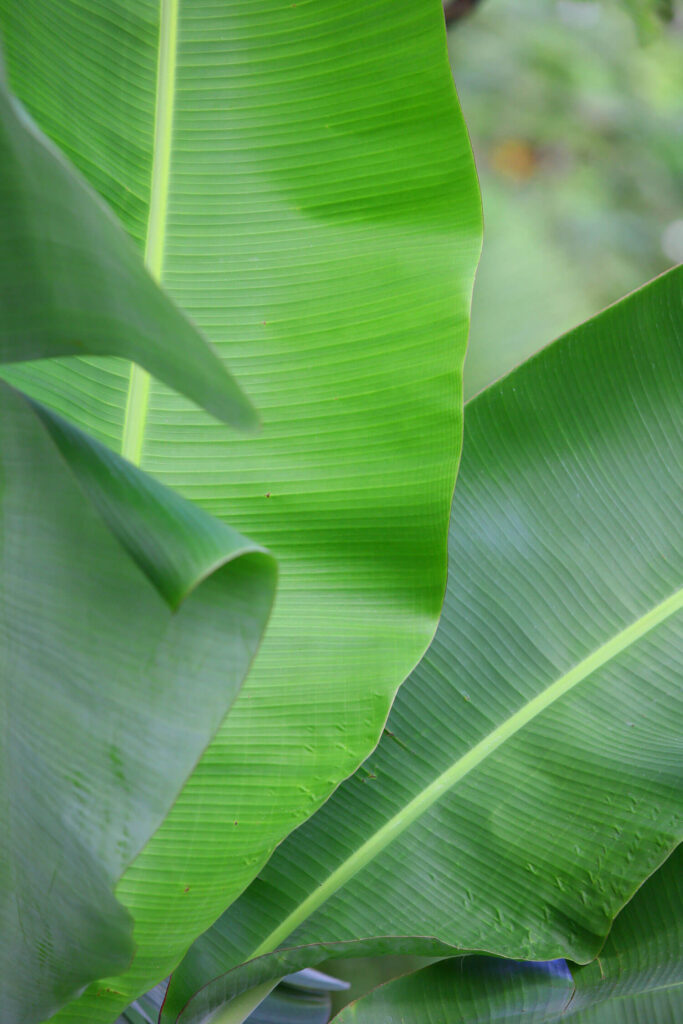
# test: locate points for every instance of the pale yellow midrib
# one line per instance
(137, 402)
(424, 800)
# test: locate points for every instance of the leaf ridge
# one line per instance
(465, 764)
(137, 400)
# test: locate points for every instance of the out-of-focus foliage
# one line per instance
(575, 113)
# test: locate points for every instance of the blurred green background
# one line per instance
(575, 109)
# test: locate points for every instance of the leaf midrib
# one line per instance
(137, 401)
(464, 765)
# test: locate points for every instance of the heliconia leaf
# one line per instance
(529, 776)
(129, 620)
(72, 282)
(301, 180)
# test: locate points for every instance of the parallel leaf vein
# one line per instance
(465, 764)
(137, 402)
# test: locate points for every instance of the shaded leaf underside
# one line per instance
(638, 976)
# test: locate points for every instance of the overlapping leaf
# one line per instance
(129, 619)
(469, 990)
(638, 977)
(71, 281)
(313, 206)
(529, 777)
(128, 616)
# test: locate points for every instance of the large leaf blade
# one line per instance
(322, 226)
(521, 821)
(106, 575)
(73, 820)
(637, 976)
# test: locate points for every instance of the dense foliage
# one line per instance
(236, 265)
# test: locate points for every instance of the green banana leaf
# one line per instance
(302, 998)
(641, 964)
(529, 776)
(72, 282)
(145, 1010)
(469, 990)
(129, 620)
(637, 978)
(313, 207)
(290, 1006)
(100, 566)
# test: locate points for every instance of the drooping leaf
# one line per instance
(529, 776)
(72, 282)
(308, 193)
(129, 619)
(301, 998)
(87, 772)
(233, 996)
(287, 1005)
(469, 990)
(311, 980)
(145, 1009)
(637, 978)
(641, 964)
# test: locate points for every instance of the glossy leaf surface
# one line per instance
(529, 777)
(314, 209)
(129, 619)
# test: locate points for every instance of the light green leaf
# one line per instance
(110, 688)
(529, 776)
(313, 206)
(71, 282)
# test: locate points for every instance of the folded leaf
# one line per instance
(110, 689)
(302, 998)
(71, 281)
(529, 776)
(301, 179)
(641, 963)
(293, 1006)
(469, 990)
